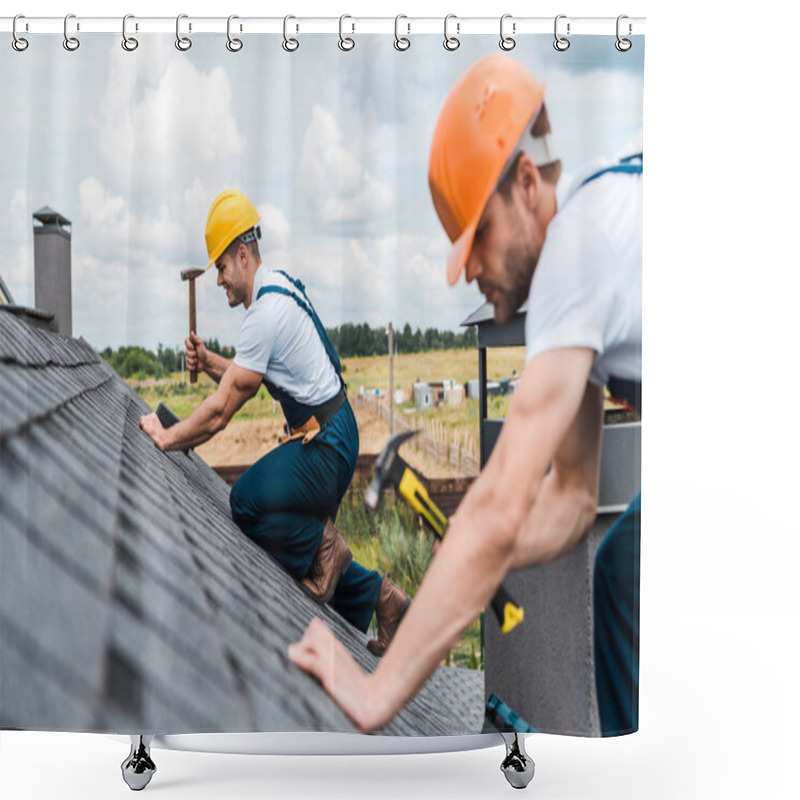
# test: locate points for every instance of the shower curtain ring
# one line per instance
(401, 42)
(183, 43)
(233, 44)
(623, 45)
(128, 42)
(289, 44)
(71, 43)
(507, 42)
(451, 42)
(18, 43)
(561, 43)
(345, 42)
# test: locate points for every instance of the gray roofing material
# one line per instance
(35, 316)
(129, 600)
(485, 313)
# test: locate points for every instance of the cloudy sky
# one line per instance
(332, 148)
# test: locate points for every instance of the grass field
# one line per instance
(367, 374)
(394, 541)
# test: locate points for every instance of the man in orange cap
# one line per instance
(575, 253)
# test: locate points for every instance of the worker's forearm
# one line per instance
(459, 584)
(216, 365)
(206, 420)
(557, 521)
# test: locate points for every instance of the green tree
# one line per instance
(134, 361)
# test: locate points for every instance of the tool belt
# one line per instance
(312, 426)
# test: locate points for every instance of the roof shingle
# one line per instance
(129, 600)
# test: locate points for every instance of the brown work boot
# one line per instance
(392, 604)
(330, 563)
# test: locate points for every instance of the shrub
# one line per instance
(405, 554)
(473, 658)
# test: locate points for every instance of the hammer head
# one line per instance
(383, 469)
(191, 274)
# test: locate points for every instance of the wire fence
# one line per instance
(435, 439)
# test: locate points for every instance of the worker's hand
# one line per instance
(152, 426)
(326, 658)
(195, 353)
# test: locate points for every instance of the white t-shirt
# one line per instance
(587, 287)
(279, 340)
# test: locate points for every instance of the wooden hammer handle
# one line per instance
(192, 323)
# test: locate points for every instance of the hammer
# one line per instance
(190, 275)
(390, 468)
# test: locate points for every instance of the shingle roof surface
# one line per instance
(129, 600)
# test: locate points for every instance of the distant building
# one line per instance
(473, 387)
(433, 393)
(438, 391)
(423, 396)
(454, 396)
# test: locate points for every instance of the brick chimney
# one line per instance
(52, 264)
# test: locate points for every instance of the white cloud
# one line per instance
(196, 109)
(337, 186)
(275, 229)
(104, 215)
(109, 229)
(397, 277)
(182, 122)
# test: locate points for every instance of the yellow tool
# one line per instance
(390, 468)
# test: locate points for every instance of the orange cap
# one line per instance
(479, 126)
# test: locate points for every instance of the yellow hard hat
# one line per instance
(231, 214)
(481, 122)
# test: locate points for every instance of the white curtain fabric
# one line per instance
(332, 147)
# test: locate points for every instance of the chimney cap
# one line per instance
(46, 215)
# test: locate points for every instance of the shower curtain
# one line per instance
(140, 592)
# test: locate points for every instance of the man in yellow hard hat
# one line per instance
(495, 187)
(288, 500)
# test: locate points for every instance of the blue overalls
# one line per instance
(283, 500)
(616, 583)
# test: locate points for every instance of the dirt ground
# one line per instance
(244, 441)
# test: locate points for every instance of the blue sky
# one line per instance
(332, 148)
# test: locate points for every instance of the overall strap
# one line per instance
(296, 282)
(631, 165)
